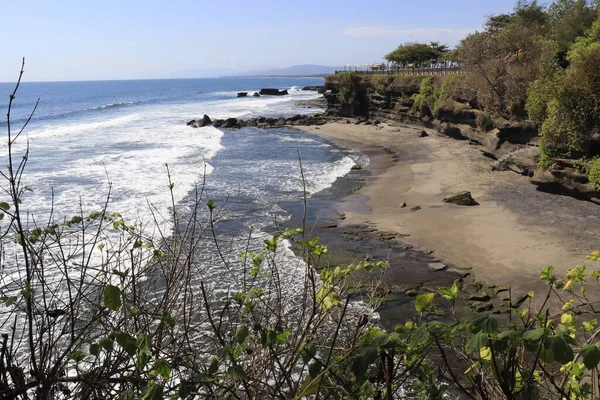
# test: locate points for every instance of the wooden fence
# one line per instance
(409, 71)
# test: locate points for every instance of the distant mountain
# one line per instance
(295, 70)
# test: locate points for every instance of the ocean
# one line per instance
(87, 135)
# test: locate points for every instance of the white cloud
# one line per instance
(447, 34)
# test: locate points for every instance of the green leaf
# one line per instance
(127, 342)
(95, 349)
(76, 355)
(560, 350)
(185, 388)
(214, 366)
(477, 341)
(309, 387)
(361, 363)
(112, 297)
(106, 343)
(548, 275)
(590, 325)
(153, 392)
(211, 204)
(143, 342)
(162, 368)
(8, 300)
(484, 323)
(424, 301)
(314, 369)
(308, 352)
(236, 372)
(241, 333)
(5, 206)
(281, 338)
(534, 335)
(591, 356)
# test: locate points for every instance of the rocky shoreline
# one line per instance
(260, 122)
(416, 270)
(513, 146)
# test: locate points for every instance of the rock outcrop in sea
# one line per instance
(260, 122)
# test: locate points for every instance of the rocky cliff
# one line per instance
(449, 105)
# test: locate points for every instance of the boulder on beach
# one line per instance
(461, 199)
(256, 94)
(242, 94)
(272, 92)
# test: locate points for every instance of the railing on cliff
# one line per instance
(409, 71)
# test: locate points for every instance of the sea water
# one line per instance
(89, 139)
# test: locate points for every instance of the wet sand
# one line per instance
(506, 240)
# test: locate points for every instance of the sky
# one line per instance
(130, 39)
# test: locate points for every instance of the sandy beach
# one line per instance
(512, 234)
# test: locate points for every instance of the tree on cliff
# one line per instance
(417, 53)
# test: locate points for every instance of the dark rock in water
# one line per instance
(230, 123)
(356, 167)
(319, 89)
(423, 134)
(461, 199)
(204, 121)
(256, 94)
(242, 94)
(200, 123)
(260, 122)
(272, 92)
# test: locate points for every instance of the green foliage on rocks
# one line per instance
(351, 92)
(484, 121)
(540, 61)
(594, 173)
(566, 102)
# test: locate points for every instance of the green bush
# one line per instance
(594, 173)
(484, 121)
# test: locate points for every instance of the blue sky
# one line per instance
(130, 39)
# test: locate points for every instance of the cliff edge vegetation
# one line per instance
(532, 73)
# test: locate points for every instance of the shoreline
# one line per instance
(506, 240)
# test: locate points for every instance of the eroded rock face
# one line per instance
(461, 199)
(272, 92)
